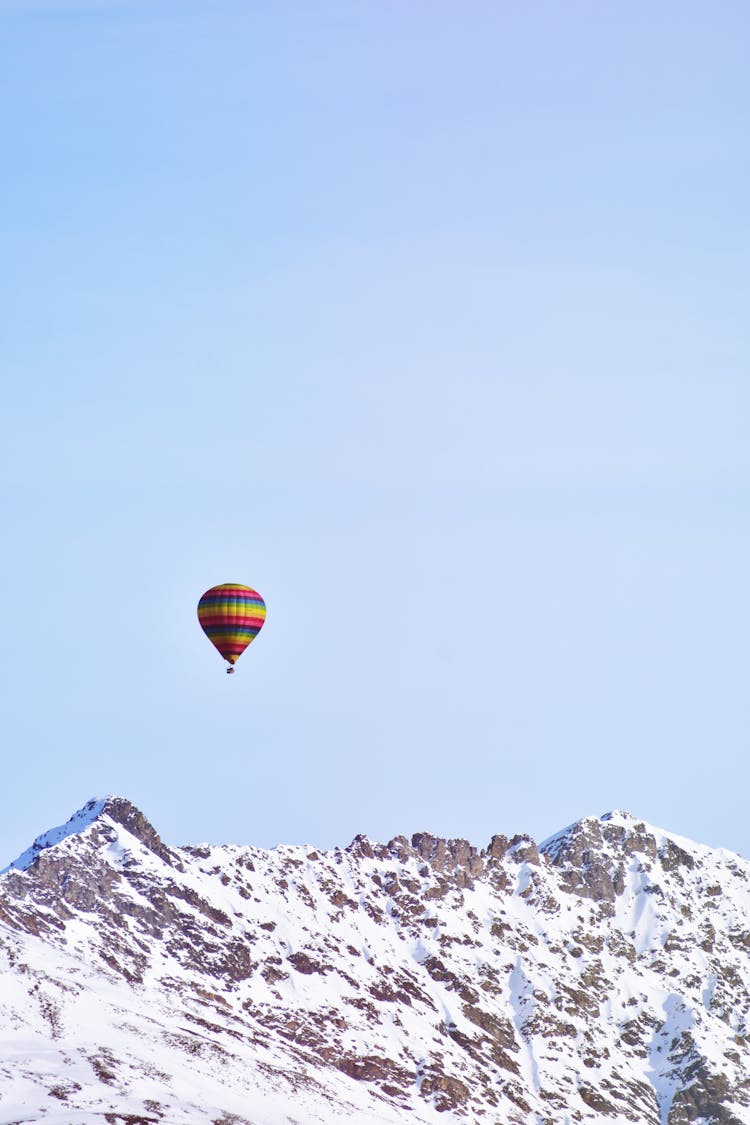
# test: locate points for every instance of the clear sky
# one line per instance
(429, 321)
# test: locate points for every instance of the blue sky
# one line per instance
(429, 322)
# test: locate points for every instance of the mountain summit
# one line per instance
(117, 810)
(602, 976)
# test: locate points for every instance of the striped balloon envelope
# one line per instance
(231, 616)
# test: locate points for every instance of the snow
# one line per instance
(570, 976)
(78, 822)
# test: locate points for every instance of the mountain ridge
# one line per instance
(125, 812)
(600, 976)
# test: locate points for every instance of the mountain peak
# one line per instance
(118, 809)
(593, 827)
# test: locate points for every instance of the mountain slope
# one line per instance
(601, 977)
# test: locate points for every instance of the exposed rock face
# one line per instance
(601, 977)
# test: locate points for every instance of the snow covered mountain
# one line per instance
(602, 977)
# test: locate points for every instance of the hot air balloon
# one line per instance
(231, 616)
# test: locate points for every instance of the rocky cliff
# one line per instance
(603, 976)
